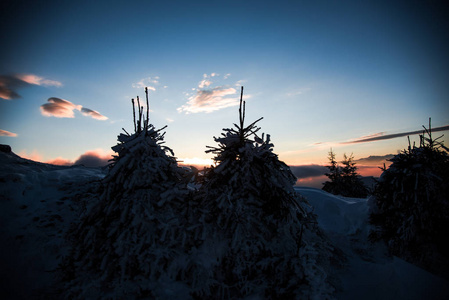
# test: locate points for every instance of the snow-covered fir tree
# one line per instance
(127, 242)
(344, 180)
(259, 237)
(410, 207)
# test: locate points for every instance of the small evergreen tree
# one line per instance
(410, 206)
(264, 237)
(344, 180)
(127, 241)
(334, 175)
(352, 185)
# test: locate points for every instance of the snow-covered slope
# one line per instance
(371, 273)
(38, 202)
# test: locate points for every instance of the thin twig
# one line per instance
(134, 115)
(140, 114)
(148, 106)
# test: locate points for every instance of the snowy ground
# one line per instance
(38, 202)
(371, 273)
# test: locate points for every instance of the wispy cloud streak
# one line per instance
(7, 133)
(148, 82)
(382, 136)
(37, 80)
(208, 99)
(374, 159)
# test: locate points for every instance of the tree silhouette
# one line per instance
(410, 207)
(344, 180)
(126, 241)
(268, 238)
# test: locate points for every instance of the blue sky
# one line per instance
(320, 73)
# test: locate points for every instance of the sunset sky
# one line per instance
(322, 74)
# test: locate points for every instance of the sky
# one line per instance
(355, 77)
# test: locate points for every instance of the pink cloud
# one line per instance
(60, 161)
(9, 84)
(34, 155)
(94, 158)
(37, 80)
(93, 113)
(90, 158)
(210, 100)
(60, 108)
(7, 133)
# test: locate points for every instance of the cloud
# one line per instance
(204, 83)
(148, 82)
(91, 158)
(306, 171)
(93, 113)
(94, 158)
(59, 161)
(374, 159)
(210, 100)
(37, 80)
(60, 108)
(34, 155)
(382, 136)
(310, 175)
(240, 82)
(7, 133)
(298, 92)
(374, 171)
(9, 84)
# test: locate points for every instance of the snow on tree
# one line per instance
(344, 180)
(127, 242)
(410, 207)
(259, 236)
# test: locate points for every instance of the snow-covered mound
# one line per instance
(37, 204)
(371, 273)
